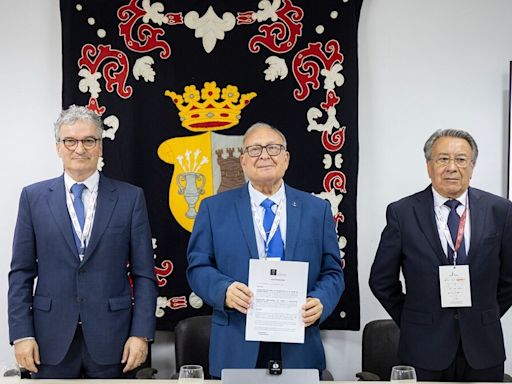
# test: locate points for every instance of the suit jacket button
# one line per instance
(456, 316)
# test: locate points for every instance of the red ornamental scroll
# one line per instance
(306, 69)
(147, 37)
(115, 70)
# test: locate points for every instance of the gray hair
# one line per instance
(77, 113)
(263, 125)
(459, 133)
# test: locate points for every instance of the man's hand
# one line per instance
(238, 296)
(27, 354)
(134, 353)
(312, 310)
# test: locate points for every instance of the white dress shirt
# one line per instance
(256, 199)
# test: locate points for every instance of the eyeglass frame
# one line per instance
(280, 146)
(445, 160)
(83, 141)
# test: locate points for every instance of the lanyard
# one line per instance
(460, 233)
(259, 224)
(85, 234)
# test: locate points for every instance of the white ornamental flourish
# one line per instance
(210, 27)
(161, 303)
(112, 122)
(153, 12)
(100, 164)
(268, 10)
(338, 160)
(276, 68)
(314, 114)
(89, 82)
(333, 77)
(143, 68)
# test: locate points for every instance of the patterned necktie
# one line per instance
(77, 190)
(276, 247)
(453, 226)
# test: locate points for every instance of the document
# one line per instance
(279, 289)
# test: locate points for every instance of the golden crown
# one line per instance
(210, 109)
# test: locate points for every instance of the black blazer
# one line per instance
(429, 334)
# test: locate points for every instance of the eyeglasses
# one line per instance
(272, 149)
(460, 161)
(88, 143)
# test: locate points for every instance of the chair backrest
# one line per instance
(192, 342)
(380, 347)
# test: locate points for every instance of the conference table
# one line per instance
(158, 381)
(149, 381)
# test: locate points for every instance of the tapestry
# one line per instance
(177, 83)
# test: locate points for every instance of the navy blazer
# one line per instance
(429, 334)
(96, 290)
(222, 243)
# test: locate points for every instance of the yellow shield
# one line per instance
(204, 165)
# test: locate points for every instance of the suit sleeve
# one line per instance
(22, 274)
(505, 280)
(330, 283)
(385, 272)
(142, 270)
(202, 273)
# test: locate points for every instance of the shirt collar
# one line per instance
(257, 197)
(439, 200)
(91, 182)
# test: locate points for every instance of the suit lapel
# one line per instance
(244, 211)
(477, 218)
(58, 208)
(425, 216)
(105, 203)
(293, 213)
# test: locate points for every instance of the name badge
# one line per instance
(455, 286)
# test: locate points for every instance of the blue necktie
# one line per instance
(77, 190)
(453, 226)
(276, 247)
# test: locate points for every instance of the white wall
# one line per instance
(424, 65)
(30, 83)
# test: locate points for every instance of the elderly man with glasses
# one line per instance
(453, 245)
(79, 239)
(265, 219)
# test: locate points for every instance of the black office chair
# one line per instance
(192, 343)
(380, 350)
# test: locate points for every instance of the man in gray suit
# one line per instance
(86, 238)
(453, 244)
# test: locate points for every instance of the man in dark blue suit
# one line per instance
(453, 244)
(87, 241)
(229, 231)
